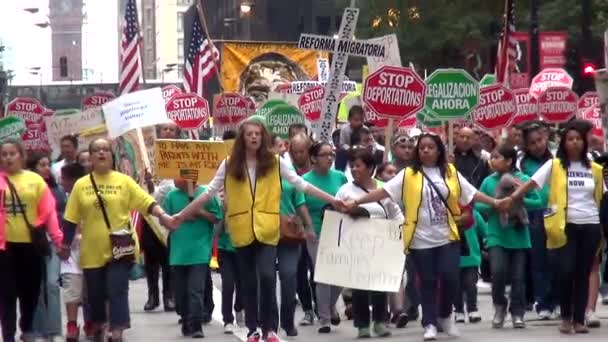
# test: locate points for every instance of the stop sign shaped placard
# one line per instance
(557, 105)
(310, 103)
(594, 115)
(188, 110)
(527, 106)
(496, 107)
(588, 99)
(394, 92)
(169, 91)
(97, 99)
(550, 78)
(231, 108)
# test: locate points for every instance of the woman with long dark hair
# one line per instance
(251, 178)
(431, 191)
(30, 205)
(47, 320)
(572, 223)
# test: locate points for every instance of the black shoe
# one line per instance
(198, 333)
(402, 320)
(168, 304)
(291, 331)
(324, 330)
(335, 321)
(413, 313)
(152, 303)
(186, 330)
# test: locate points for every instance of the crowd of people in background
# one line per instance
(525, 210)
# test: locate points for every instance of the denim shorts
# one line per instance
(109, 284)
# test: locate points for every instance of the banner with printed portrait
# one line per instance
(255, 69)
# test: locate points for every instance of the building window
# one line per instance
(180, 49)
(180, 72)
(149, 37)
(180, 21)
(149, 56)
(148, 17)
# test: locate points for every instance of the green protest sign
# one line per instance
(427, 120)
(269, 105)
(281, 117)
(451, 94)
(487, 80)
(11, 127)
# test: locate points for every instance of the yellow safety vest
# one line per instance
(253, 213)
(555, 223)
(412, 199)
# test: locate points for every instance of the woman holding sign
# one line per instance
(362, 167)
(572, 221)
(431, 190)
(251, 178)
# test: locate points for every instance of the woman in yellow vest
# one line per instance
(431, 190)
(251, 178)
(572, 222)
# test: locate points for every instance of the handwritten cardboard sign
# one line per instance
(354, 253)
(63, 123)
(189, 159)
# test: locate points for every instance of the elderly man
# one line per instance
(468, 162)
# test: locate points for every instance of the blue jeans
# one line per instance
(189, 284)
(231, 285)
(438, 265)
(109, 284)
(506, 262)
(545, 279)
(288, 256)
(47, 319)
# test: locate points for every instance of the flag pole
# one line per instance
(201, 16)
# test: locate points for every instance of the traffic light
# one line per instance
(63, 66)
(587, 70)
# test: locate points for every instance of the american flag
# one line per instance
(200, 60)
(507, 47)
(130, 70)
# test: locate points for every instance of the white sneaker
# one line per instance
(430, 333)
(556, 314)
(544, 315)
(474, 317)
(591, 320)
(459, 317)
(228, 328)
(448, 326)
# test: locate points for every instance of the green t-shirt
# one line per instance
(511, 236)
(291, 198)
(330, 183)
(191, 243)
(529, 166)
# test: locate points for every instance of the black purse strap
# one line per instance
(379, 203)
(100, 200)
(11, 186)
(432, 184)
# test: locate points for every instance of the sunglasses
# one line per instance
(403, 140)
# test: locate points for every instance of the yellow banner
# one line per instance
(189, 159)
(254, 69)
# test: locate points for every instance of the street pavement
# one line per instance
(161, 326)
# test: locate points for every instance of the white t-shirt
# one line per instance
(56, 169)
(432, 229)
(389, 209)
(581, 207)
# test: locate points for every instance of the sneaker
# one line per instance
(381, 330)
(363, 333)
(580, 329)
(591, 320)
(448, 326)
(544, 315)
(186, 330)
(325, 327)
(291, 332)
(459, 317)
(308, 319)
(272, 337)
(239, 317)
(88, 330)
(566, 327)
(474, 317)
(254, 337)
(72, 331)
(335, 317)
(430, 333)
(556, 314)
(197, 333)
(518, 322)
(499, 317)
(402, 320)
(228, 328)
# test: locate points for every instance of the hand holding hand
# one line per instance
(338, 205)
(504, 204)
(171, 222)
(63, 253)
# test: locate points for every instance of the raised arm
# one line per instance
(290, 175)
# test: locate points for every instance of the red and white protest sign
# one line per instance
(496, 107)
(594, 115)
(394, 92)
(550, 78)
(188, 110)
(527, 107)
(169, 91)
(310, 103)
(96, 99)
(409, 122)
(557, 105)
(588, 99)
(231, 108)
(32, 112)
(374, 119)
(552, 46)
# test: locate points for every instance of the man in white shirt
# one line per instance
(69, 152)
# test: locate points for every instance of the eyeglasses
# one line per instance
(403, 139)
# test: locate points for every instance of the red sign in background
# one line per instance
(552, 48)
(231, 108)
(169, 91)
(32, 112)
(496, 107)
(189, 111)
(310, 103)
(394, 92)
(527, 107)
(594, 115)
(557, 105)
(550, 78)
(96, 100)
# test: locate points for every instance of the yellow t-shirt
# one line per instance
(121, 195)
(30, 187)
